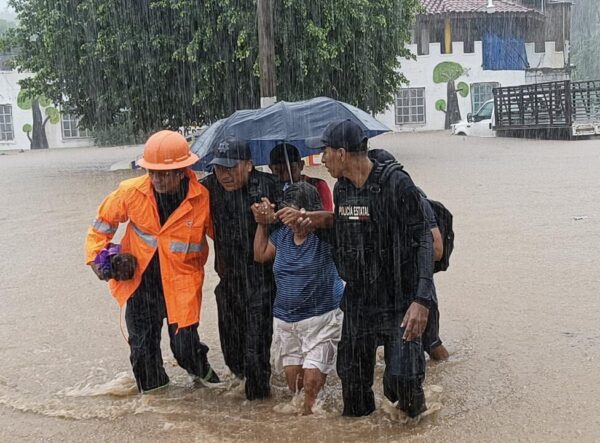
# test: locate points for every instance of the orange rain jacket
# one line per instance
(181, 243)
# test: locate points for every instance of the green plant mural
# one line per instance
(36, 132)
(449, 72)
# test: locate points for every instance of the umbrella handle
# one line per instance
(287, 163)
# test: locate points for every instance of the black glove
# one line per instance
(123, 266)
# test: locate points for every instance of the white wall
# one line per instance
(9, 90)
(419, 72)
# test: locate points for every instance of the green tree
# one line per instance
(346, 49)
(448, 72)
(166, 63)
(36, 132)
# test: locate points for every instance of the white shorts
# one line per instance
(310, 343)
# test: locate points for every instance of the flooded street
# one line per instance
(519, 309)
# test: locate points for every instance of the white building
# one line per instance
(485, 44)
(61, 130)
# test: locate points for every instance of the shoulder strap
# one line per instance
(385, 170)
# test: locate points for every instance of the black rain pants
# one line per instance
(144, 316)
(246, 329)
(364, 328)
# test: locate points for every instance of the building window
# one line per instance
(7, 132)
(410, 106)
(70, 127)
(481, 93)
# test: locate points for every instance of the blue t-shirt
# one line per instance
(307, 281)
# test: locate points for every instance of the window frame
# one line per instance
(4, 123)
(405, 111)
(70, 124)
(475, 93)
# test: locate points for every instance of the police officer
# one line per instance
(246, 289)
(384, 253)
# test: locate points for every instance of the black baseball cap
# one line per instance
(230, 152)
(340, 134)
(277, 156)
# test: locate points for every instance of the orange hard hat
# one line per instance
(166, 150)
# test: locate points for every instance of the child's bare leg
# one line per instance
(294, 377)
(314, 380)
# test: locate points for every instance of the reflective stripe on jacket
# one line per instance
(181, 243)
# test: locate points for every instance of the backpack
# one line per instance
(443, 216)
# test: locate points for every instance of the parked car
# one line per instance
(480, 124)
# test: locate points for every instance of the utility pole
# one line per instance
(266, 52)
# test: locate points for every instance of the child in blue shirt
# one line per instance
(306, 311)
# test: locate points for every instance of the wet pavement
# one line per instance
(519, 309)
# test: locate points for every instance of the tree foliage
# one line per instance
(440, 105)
(5, 25)
(445, 72)
(585, 39)
(166, 63)
(463, 89)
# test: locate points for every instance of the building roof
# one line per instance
(470, 6)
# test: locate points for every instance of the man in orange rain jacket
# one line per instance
(169, 216)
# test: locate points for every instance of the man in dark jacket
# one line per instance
(383, 250)
(246, 291)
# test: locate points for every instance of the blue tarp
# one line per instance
(504, 53)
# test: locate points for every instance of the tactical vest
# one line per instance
(375, 246)
(363, 249)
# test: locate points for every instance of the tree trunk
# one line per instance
(452, 110)
(39, 139)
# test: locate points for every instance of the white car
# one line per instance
(480, 124)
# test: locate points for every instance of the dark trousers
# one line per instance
(144, 316)
(246, 330)
(362, 331)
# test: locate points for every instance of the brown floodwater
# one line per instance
(519, 309)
